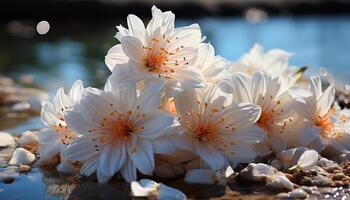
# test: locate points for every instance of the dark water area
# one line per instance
(75, 49)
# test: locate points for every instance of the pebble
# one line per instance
(29, 140)
(24, 168)
(298, 194)
(257, 172)
(338, 176)
(6, 140)
(282, 195)
(22, 156)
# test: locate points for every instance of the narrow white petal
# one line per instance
(89, 167)
(80, 149)
(308, 160)
(155, 124)
(102, 178)
(115, 56)
(133, 48)
(141, 154)
(212, 157)
(128, 171)
(112, 159)
(76, 91)
(136, 27)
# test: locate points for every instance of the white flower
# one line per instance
(120, 132)
(306, 161)
(318, 113)
(149, 188)
(274, 62)
(278, 118)
(158, 52)
(215, 130)
(212, 67)
(57, 136)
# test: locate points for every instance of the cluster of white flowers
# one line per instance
(171, 106)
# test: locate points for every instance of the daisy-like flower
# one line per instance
(158, 52)
(120, 132)
(151, 189)
(54, 139)
(327, 129)
(318, 112)
(273, 62)
(278, 117)
(216, 130)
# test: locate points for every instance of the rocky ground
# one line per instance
(328, 179)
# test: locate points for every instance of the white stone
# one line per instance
(258, 172)
(298, 194)
(22, 156)
(28, 140)
(6, 140)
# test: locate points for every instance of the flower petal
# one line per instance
(141, 154)
(112, 159)
(212, 157)
(133, 48)
(128, 171)
(115, 56)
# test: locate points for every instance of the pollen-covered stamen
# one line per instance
(116, 127)
(325, 123)
(157, 56)
(203, 125)
(267, 119)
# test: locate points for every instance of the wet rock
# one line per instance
(342, 158)
(338, 176)
(24, 168)
(29, 140)
(8, 174)
(321, 181)
(279, 182)
(298, 194)
(328, 165)
(22, 156)
(282, 195)
(257, 172)
(6, 140)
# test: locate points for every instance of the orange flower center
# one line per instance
(265, 120)
(122, 129)
(325, 123)
(158, 58)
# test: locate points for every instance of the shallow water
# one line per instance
(67, 53)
